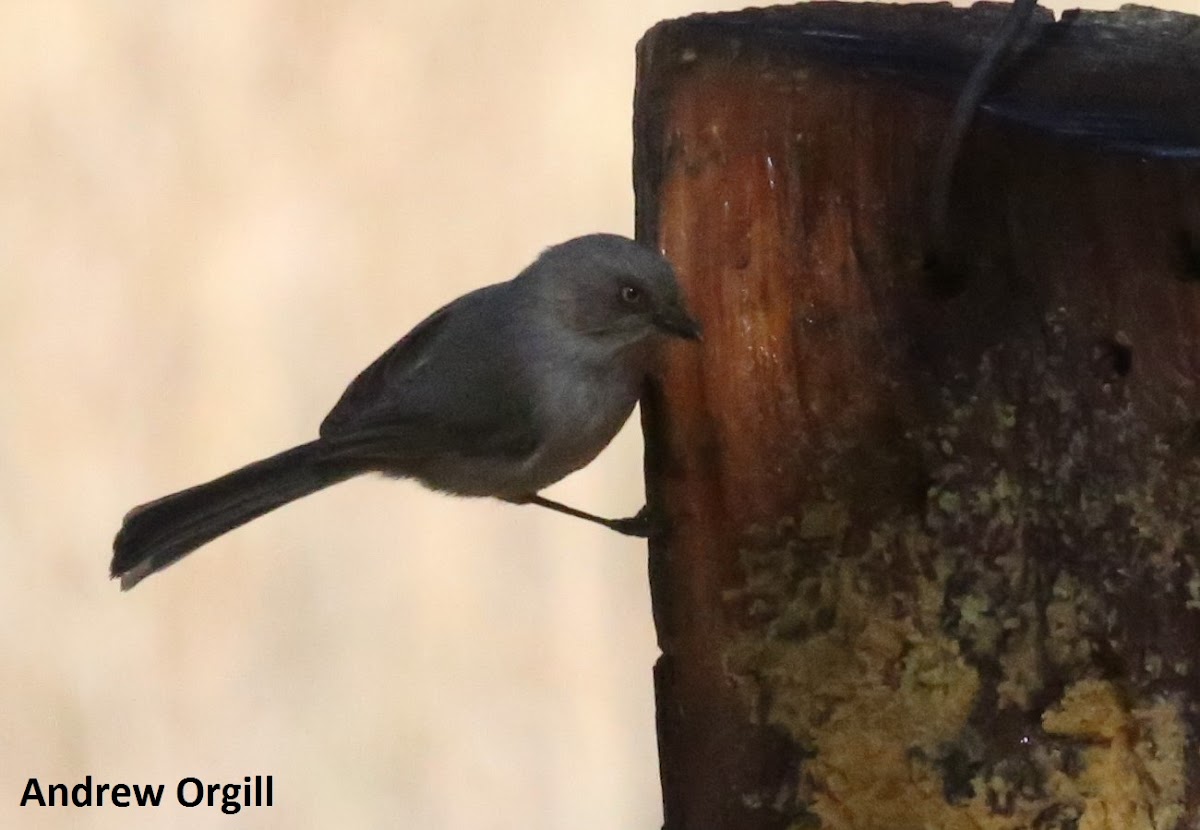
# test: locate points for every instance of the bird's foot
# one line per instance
(643, 524)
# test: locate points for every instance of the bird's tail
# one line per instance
(160, 532)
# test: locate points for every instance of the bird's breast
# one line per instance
(577, 420)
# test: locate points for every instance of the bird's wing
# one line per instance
(445, 387)
(399, 445)
(370, 390)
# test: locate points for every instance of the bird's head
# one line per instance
(613, 290)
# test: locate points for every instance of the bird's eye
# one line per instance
(631, 294)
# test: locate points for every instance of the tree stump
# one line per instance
(933, 558)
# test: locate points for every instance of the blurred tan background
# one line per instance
(212, 215)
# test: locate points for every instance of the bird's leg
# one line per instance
(639, 525)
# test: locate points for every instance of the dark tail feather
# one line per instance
(158, 533)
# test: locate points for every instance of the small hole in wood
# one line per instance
(1187, 245)
(1116, 356)
(943, 275)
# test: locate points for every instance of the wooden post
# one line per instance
(934, 558)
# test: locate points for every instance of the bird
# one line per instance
(499, 393)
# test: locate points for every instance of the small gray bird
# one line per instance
(501, 393)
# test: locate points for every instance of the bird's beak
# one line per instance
(677, 323)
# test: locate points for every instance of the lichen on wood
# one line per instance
(891, 649)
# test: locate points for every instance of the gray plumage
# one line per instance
(501, 393)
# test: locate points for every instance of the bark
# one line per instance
(933, 557)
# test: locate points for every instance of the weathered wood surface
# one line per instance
(934, 560)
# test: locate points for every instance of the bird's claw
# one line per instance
(643, 524)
